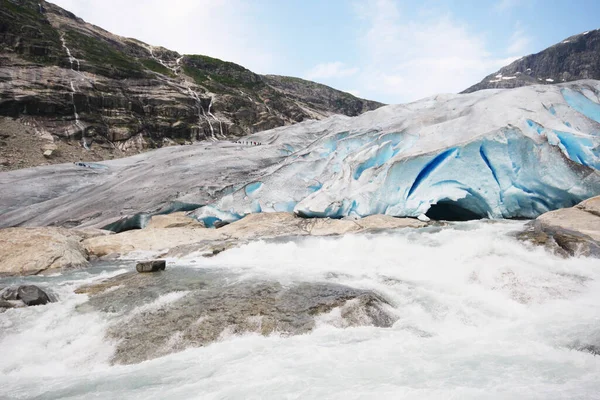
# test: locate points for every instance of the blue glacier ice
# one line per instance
(484, 153)
(252, 188)
(582, 103)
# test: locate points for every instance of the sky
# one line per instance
(393, 51)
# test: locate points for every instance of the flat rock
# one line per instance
(30, 251)
(175, 220)
(152, 240)
(88, 233)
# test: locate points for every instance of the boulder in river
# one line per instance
(33, 295)
(151, 266)
(570, 231)
(28, 295)
(194, 307)
(9, 293)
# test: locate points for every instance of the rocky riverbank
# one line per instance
(31, 251)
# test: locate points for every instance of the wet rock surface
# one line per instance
(24, 295)
(171, 311)
(5, 305)
(9, 293)
(33, 295)
(151, 266)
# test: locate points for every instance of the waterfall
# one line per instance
(215, 118)
(174, 70)
(178, 66)
(201, 114)
(252, 100)
(73, 60)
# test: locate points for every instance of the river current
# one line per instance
(479, 315)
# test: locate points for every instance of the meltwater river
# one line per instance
(479, 314)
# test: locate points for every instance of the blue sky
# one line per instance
(393, 51)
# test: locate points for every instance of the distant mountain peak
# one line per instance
(577, 57)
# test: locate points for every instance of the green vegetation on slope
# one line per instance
(213, 72)
(102, 58)
(26, 31)
(157, 67)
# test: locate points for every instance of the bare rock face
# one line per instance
(253, 226)
(572, 59)
(591, 206)
(153, 240)
(572, 231)
(113, 96)
(31, 251)
(175, 220)
(198, 307)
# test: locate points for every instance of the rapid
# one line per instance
(478, 314)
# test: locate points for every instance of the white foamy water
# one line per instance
(480, 315)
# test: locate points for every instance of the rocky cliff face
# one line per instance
(61, 78)
(575, 58)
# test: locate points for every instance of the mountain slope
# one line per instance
(62, 78)
(577, 57)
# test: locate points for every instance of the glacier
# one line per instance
(493, 154)
(490, 154)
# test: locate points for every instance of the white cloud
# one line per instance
(407, 60)
(504, 5)
(399, 58)
(331, 70)
(520, 42)
(224, 29)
